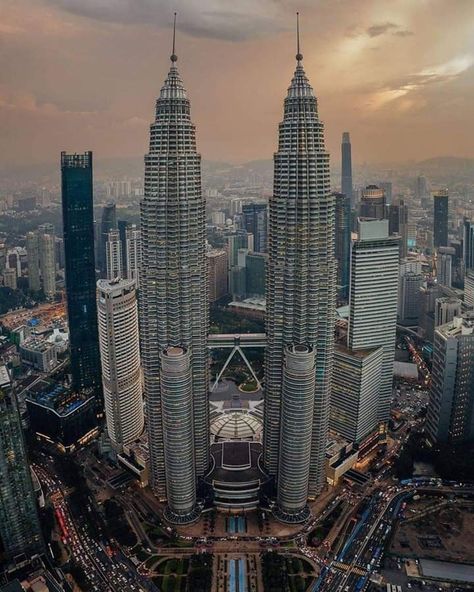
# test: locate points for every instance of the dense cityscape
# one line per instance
(237, 378)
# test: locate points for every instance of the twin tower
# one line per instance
(300, 292)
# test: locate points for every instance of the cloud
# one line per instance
(219, 19)
(443, 72)
(380, 29)
(403, 33)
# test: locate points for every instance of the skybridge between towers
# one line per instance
(237, 343)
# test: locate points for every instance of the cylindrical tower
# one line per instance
(47, 256)
(178, 440)
(120, 358)
(296, 429)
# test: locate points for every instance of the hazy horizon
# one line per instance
(79, 75)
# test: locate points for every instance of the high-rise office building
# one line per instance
(32, 254)
(300, 290)
(446, 308)
(9, 278)
(174, 310)
(429, 292)
(108, 222)
(239, 240)
(78, 225)
(469, 288)
(255, 221)
(373, 203)
(120, 359)
(468, 244)
(421, 188)
(387, 188)
(113, 255)
(255, 270)
(440, 218)
(450, 417)
(409, 298)
(47, 257)
(398, 224)
(373, 300)
(346, 168)
(46, 228)
(217, 271)
(133, 253)
(355, 392)
(444, 265)
(343, 243)
(20, 530)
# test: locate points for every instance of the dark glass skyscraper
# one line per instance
(346, 173)
(78, 224)
(373, 203)
(468, 244)
(398, 224)
(255, 221)
(19, 525)
(343, 243)
(440, 219)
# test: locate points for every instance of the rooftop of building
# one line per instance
(236, 462)
(55, 396)
(236, 424)
(359, 354)
(336, 444)
(115, 286)
(463, 325)
(5, 379)
(251, 303)
(36, 344)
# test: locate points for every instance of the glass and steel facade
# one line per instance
(440, 219)
(78, 224)
(301, 271)
(346, 169)
(173, 276)
(373, 300)
(343, 243)
(256, 221)
(20, 530)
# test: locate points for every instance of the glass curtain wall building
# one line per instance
(78, 224)
(20, 530)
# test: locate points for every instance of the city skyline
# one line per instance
(376, 96)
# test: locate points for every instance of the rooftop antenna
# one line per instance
(174, 57)
(299, 55)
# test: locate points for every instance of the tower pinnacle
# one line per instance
(299, 55)
(174, 57)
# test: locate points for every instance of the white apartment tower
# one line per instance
(113, 255)
(47, 257)
(120, 358)
(133, 254)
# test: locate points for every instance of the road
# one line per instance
(105, 571)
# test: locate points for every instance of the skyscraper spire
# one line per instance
(299, 55)
(174, 57)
